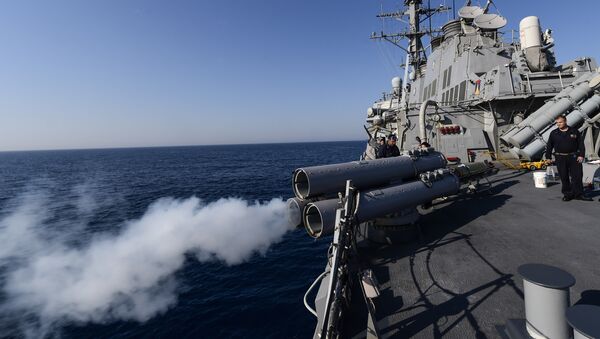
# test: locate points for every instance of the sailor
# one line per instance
(380, 148)
(422, 143)
(391, 150)
(567, 144)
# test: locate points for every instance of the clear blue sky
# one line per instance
(118, 73)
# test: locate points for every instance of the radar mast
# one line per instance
(416, 15)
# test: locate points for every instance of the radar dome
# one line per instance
(396, 82)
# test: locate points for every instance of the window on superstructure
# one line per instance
(445, 78)
(449, 76)
(462, 91)
(434, 87)
(451, 96)
(455, 93)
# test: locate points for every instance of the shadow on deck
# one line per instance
(440, 228)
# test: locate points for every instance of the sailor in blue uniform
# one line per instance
(380, 148)
(569, 152)
(391, 150)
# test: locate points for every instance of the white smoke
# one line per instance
(127, 276)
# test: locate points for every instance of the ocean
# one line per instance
(90, 244)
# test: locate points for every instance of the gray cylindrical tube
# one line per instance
(319, 217)
(517, 152)
(464, 171)
(545, 310)
(588, 109)
(545, 119)
(546, 294)
(584, 320)
(295, 207)
(313, 181)
(516, 128)
(380, 202)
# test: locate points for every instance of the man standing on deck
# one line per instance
(569, 151)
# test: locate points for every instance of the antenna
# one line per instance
(429, 6)
(454, 9)
(416, 15)
(487, 6)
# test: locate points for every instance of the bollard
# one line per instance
(546, 290)
(585, 320)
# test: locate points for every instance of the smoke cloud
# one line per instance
(124, 276)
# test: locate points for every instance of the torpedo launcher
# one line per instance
(383, 187)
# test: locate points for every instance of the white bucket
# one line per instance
(540, 179)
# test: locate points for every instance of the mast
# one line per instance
(416, 15)
(415, 44)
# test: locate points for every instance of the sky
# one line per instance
(132, 73)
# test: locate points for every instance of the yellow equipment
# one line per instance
(534, 165)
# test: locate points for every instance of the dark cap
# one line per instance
(393, 137)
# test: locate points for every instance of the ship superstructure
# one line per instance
(475, 95)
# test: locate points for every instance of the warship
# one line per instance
(434, 242)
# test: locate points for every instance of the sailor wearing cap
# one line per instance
(391, 150)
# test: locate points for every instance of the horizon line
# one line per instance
(167, 146)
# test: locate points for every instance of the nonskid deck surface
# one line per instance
(460, 280)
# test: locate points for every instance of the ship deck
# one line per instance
(460, 279)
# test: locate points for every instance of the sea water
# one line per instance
(140, 243)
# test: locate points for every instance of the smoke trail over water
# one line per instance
(127, 276)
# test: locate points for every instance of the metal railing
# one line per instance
(311, 310)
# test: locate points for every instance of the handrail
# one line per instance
(422, 113)
(319, 278)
